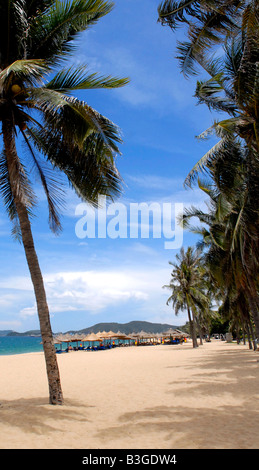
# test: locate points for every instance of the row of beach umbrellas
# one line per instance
(104, 335)
(91, 337)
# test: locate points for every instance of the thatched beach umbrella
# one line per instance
(107, 335)
(68, 338)
(111, 333)
(58, 339)
(91, 338)
(61, 338)
(119, 335)
(103, 335)
(172, 333)
(76, 338)
(184, 335)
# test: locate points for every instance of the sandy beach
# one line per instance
(152, 397)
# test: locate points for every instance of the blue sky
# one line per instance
(100, 280)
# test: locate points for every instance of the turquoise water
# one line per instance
(27, 344)
(19, 345)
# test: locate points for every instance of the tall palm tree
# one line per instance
(186, 285)
(224, 233)
(232, 226)
(233, 163)
(36, 107)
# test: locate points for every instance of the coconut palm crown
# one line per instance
(61, 134)
(187, 287)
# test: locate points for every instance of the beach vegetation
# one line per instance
(223, 260)
(187, 289)
(223, 40)
(47, 133)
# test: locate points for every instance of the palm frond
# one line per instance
(205, 161)
(209, 92)
(171, 12)
(73, 118)
(54, 30)
(193, 211)
(233, 54)
(202, 37)
(26, 71)
(224, 208)
(76, 78)
(90, 170)
(20, 189)
(52, 186)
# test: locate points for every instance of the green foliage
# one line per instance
(218, 325)
(208, 24)
(188, 287)
(60, 133)
(230, 227)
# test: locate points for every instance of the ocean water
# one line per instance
(19, 345)
(27, 344)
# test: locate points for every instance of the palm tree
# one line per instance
(233, 83)
(232, 87)
(228, 256)
(208, 24)
(72, 138)
(232, 163)
(186, 285)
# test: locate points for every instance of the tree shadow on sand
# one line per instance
(37, 416)
(226, 416)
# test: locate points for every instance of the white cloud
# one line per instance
(95, 291)
(28, 311)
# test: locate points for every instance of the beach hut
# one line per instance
(91, 338)
(172, 333)
(119, 335)
(104, 335)
(111, 333)
(76, 338)
(142, 337)
(185, 335)
(108, 336)
(61, 338)
(58, 339)
(173, 336)
(67, 338)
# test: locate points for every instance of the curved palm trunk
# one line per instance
(192, 328)
(55, 391)
(199, 330)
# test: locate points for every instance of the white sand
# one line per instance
(158, 397)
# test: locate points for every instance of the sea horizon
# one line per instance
(11, 345)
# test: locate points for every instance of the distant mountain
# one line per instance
(127, 328)
(5, 332)
(26, 333)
